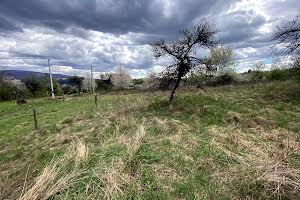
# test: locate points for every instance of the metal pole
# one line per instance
(92, 79)
(51, 82)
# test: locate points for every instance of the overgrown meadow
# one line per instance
(229, 142)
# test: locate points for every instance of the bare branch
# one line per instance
(200, 36)
(289, 36)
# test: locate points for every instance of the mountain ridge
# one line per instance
(21, 74)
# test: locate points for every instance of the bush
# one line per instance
(295, 73)
(275, 74)
(4, 92)
(257, 75)
(66, 89)
(282, 74)
(225, 79)
(197, 79)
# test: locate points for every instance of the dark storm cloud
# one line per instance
(7, 26)
(119, 16)
(106, 33)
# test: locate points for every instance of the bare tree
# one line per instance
(278, 64)
(296, 62)
(222, 58)
(88, 83)
(259, 66)
(183, 51)
(152, 81)
(289, 36)
(120, 78)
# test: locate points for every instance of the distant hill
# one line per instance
(19, 74)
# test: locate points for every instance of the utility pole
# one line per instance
(52, 90)
(92, 85)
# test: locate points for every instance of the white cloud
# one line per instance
(75, 43)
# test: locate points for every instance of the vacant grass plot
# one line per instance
(222, 143)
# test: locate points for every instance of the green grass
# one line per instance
(216, 144)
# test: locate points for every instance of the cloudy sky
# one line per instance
(76, 34)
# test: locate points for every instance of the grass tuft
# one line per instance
(53, 179)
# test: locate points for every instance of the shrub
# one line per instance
(276, 74)
(4, 92)
(282, 74)
(295, 73)
(66, 89)
(196, 79)
(224, 79)
(257, 75)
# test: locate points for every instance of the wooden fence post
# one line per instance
(34, 118)
(96, 101)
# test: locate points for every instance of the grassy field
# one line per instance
(232, 142)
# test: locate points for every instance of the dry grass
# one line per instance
(127, 109)
(52, 180)
(58, 175)
(281, 179)
(79, 151)
(115, 180)
(166, 176)
(196, 148)
(254, 151)
(136, 142)
(162, 123)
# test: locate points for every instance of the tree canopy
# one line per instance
(77, 81)
(222, 58)
(183, 51)
(34, 84)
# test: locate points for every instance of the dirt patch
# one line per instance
(277, 97)
(264, 122)
(238, 118)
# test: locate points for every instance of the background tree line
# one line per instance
(188, 69)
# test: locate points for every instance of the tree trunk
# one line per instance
(174, 89)
(79, 90)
